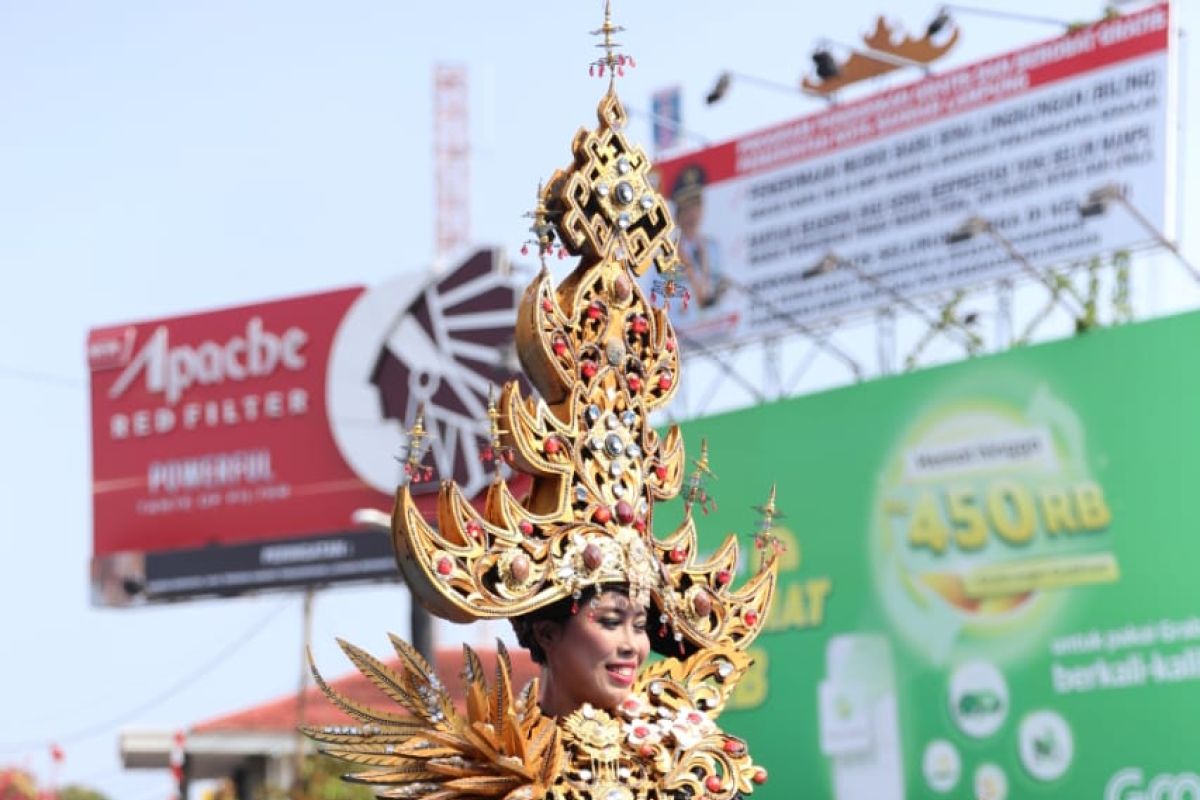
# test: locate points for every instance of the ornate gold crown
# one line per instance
(602, 358)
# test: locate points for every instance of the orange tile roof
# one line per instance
(282, 714)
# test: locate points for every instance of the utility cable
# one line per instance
(105, 727)
(35, 376)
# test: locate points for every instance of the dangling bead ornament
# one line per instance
(697, 493)
(416, 448)
(668, 285)
(495, 453)
(543, 232)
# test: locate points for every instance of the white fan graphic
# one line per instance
(441, 344)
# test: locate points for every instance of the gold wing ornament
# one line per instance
(601, 358)
(503, 748)
(663, 741)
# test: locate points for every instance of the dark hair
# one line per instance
(557, 613)
(662, 638)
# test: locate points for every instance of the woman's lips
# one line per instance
(621, 674)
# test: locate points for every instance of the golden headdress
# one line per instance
(602, 358)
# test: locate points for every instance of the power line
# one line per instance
(105, 727)
(16, 373)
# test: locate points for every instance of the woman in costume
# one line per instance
(574, 562)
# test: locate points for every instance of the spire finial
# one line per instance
(697, 492)
(417, 445)
(768, 544)
(542, 229)
(612, 61)
(495, 451)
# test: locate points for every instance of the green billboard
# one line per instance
(990, 582)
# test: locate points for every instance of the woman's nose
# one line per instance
(627, 646)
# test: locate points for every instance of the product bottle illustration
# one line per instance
(859, 727)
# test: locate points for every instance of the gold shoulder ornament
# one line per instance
(601, 357)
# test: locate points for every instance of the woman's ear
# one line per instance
(546, 633)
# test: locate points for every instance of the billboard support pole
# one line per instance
(306, 615)
(420, 629)
(832, 261)
(977, 225)
(725, 365)
(772, 376)
(1097, 203)
(885, 340)
(820, 341)
(1004, 314)
(999, 14)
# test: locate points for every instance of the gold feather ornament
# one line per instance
(601, 357)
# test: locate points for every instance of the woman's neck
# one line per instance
(551, 698)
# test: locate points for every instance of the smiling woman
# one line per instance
(590, 656)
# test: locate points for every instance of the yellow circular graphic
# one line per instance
(985, 517)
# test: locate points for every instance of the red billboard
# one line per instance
(230, 448)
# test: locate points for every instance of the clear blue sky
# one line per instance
(159, 157)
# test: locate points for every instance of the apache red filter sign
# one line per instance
(230, 449)
(213, 427)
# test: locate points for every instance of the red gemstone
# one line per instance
(724, 577)
(592, 557)
(594, 311)
(635, 383)
(751, 618)
(713, 784)
(641, 731)
(639, 524)
(552, 445)
(733, 747)
(640, 325)
(526, 527)
(760, 776)
(661, 472)
(678, 554)
(624, 512)
(474, 528)
(547, 305)
(670, 345)
(602, 514)
(559, 346)
(444, 566)
(647, 751)
(664, 382)
(588, 368)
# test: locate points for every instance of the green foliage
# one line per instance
(76, 792)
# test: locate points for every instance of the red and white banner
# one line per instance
(1018, 140)
(230, 448)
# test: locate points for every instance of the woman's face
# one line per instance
(594, 656)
